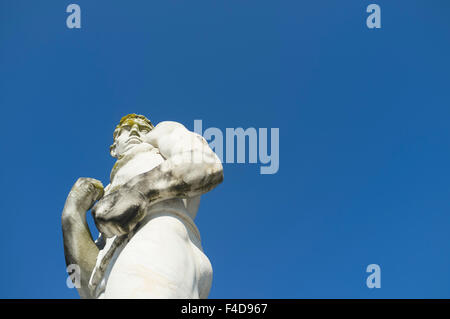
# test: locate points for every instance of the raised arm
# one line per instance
(191, 168)
(79, 247)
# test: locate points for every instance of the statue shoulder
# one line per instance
(167, 134)
(167, 128)
(169, 125)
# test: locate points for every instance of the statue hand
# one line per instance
(85, 192)
(119, 212)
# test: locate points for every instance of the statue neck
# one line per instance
(140, 159)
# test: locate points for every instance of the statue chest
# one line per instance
(128, 168)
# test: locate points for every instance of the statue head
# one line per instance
(130, 131)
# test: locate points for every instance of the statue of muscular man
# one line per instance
(149, 246)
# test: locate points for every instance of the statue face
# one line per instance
(132, 132)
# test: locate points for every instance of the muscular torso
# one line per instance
(162, 257)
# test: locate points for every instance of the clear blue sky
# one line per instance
(364, 135)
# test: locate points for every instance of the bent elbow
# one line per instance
(214, 174)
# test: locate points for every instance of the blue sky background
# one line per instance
(364, 135)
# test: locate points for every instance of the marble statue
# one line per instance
(149, 246)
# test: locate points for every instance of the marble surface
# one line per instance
(149, 245)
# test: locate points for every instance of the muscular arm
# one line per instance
(191, 169)
(79, 247)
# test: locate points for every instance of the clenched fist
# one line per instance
(85, 192)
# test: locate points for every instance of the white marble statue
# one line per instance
(149, 246)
